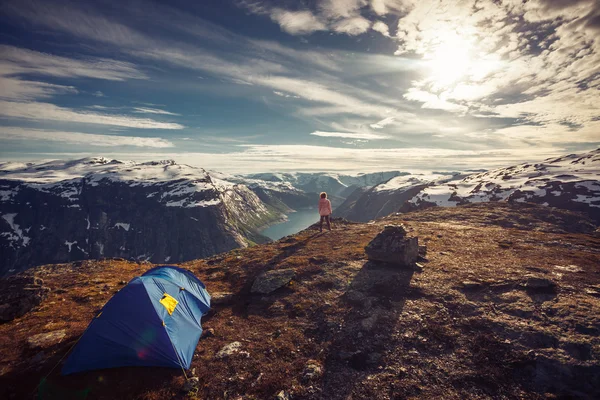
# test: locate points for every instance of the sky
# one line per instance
(300, 85)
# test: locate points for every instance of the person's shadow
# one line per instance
(375, 299)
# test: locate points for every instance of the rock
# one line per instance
(312, 370)
(19, 294)
(221, 298)
(45, 340)
(270, 281)
(37, 358)
(538, 283)
(191, 384)
(368, 323)
(229, 350)
(392, 246)
(355, 297)
(210, 332)
(399, 230)
(471, 285)
(282, 395)
(318, 260)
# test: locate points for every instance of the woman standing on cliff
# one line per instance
(324, 211)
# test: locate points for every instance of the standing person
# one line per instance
(324, 211)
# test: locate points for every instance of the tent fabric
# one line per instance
(153, 321)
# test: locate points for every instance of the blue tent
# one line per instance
(153, 321)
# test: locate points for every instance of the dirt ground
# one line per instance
(469, 323)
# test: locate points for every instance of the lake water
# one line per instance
(297, 221)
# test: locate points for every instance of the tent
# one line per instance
(153, 321)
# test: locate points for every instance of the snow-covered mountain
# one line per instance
(570, 182)
(61, 211)
(337, 186)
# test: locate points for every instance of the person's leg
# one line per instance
(321, 223)
(328, 222)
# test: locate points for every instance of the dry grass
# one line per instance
(377, 332)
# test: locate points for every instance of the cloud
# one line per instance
(430, 100)
(12, 88)
(340, 16)
(381, 28)
(146, 110)
(352, 26)
(98, 94)
(262, 158)
(285, 95)
(381, 124)
(78, 138)
(379, 7)
(24, 61)
(341, 8)
(350, 135)
(296, 22)
(46, 111)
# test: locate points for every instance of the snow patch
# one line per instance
(18, 232)
(70, 244)
(122, 225)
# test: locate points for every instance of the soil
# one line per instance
(504, 305)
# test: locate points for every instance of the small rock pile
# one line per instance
(19, 294)
(393, 246)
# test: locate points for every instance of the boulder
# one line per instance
(270, 281)
(45, 340)
(393, 246)
(19, 294)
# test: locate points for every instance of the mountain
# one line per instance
(505, 306)
(570, 182)
(281, 195)
(337, 186)
(53, 212)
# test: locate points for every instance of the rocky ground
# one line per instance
(505, 304)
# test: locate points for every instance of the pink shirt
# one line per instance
(324, 207)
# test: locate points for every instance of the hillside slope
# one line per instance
(570, 182)
(91, 208)
(477, 321)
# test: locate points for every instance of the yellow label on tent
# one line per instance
(169, 302)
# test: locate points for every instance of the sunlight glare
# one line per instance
(449, 61)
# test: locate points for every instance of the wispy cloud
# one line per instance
(350, 135)
(46, 111)
(381, 124)
(24, 61)
(84, 139)
(260, 158)
(144, 110)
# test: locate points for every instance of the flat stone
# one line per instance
(270, 281)
(45, 340)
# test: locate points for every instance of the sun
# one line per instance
(449, 61)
